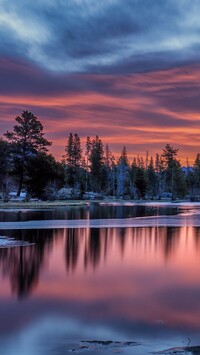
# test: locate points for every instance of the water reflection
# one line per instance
(90, 249)
(22, 265)
(71, 249)
(99, 243)
(140, 283)
(92, 211)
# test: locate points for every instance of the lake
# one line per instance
(100, 290)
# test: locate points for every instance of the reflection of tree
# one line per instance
(164, 240)
(105, 249)
(97, 243)
(23, 264)
(171, 241)
(93, 247)
(196, 232)
(122, 239)
(71, 248)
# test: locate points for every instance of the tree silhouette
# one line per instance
(27, 140)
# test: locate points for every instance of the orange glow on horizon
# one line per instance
(141, 111)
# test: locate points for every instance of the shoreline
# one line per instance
(82, 203)
(42, 204)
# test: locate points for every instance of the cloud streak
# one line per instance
(143, 111)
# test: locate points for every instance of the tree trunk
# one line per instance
(21, 180)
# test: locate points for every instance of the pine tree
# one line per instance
(109, 171)
(73, 158)
(190, 180)
(174, 176)
(87, 162)
(138, 178)
(133, 169)
(123, 174)
(69, 158)
(5, 158)
(96, 158)
(6, 168)
(197, 173)
(160, 174)
(42, 170)
(77, 151)
(151, 179)
(140, 182)
(28, 140)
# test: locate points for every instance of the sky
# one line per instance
(126, 70)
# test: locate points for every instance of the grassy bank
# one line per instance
(41, 204)
(79, 203)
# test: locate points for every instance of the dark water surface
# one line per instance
(119, 284)
(92, 211)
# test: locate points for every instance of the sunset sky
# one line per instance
(127, 70)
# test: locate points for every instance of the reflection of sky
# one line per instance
(140, 283)
(50, 335)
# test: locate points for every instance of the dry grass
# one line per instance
(41, 204)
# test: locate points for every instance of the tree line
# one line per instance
(89, 171)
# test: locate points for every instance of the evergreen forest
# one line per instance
(88, 170)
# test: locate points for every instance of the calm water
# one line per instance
(119, 284)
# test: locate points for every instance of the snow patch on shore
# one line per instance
(7, 242)
(151, 221)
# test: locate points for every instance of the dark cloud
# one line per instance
(181, 99)
(23, 78)
(104, 36)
